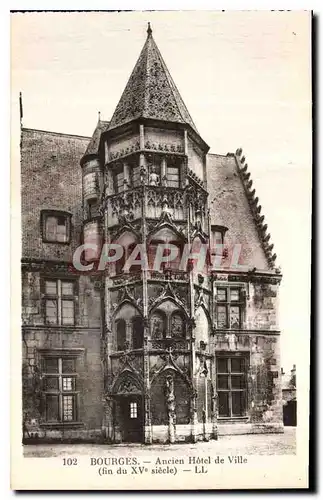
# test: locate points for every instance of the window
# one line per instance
(133, 410)
(120, 263)
(177, 326)
(135, 176)
(56, 226)
(59, 389)
(135, 267)
(172, 176)
(137, 333)
(121, 334)
(90, 185)
(158, 325)
(59, 302)
(217, 239)
(231, 386)
(93, 208)
(118, 180)
(229, 307)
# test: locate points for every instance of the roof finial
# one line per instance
(149, 30)
(99, 116)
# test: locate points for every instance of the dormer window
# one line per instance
(56, 226)
(217, 238)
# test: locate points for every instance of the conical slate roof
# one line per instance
(151, 91)
(93, 145)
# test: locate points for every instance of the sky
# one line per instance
(245, 79)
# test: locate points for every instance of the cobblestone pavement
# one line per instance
(252, 444)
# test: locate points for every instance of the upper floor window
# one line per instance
(167, 325)
(229, 307)
(93, 208)
(217, 238)
(121, 334)
(90, 185)
(59, 302)
(59, 389)
(137, 333)
(56, 226)
(172, 176)
(118, 180)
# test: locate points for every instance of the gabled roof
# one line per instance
(151, 91)
(235, 205)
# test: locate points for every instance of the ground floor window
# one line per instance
(59, 389)
(232, 386)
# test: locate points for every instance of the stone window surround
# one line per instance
(237, 355)
(60, 353)
(240, 303)
(59, 277)
(55, 213)
(129, 326)
(167, 323)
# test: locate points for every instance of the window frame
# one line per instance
(229, 390)
(175, 164)
(60, 392)
(133, 410)
(44, 214)
(92, 208)
(118, 170)
(59, 297)
(228, 303)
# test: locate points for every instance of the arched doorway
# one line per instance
(129, 411)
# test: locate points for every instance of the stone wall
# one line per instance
(262, 307)
(51, 178)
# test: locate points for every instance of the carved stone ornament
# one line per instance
(127, 386)
(170, 404)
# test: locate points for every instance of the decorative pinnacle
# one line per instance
(149, 30)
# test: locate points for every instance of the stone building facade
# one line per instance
(289, 397)
(141, 354)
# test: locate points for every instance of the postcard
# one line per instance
(161, 214)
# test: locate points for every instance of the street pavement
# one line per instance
(251, 444)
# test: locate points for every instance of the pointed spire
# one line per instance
(151, 91)
(99, 116)
(149, 30)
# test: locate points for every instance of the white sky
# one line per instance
(245, 79)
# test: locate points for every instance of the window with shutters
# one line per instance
(59, 388)
(56, 226)
(232, 386)
(59, 302)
